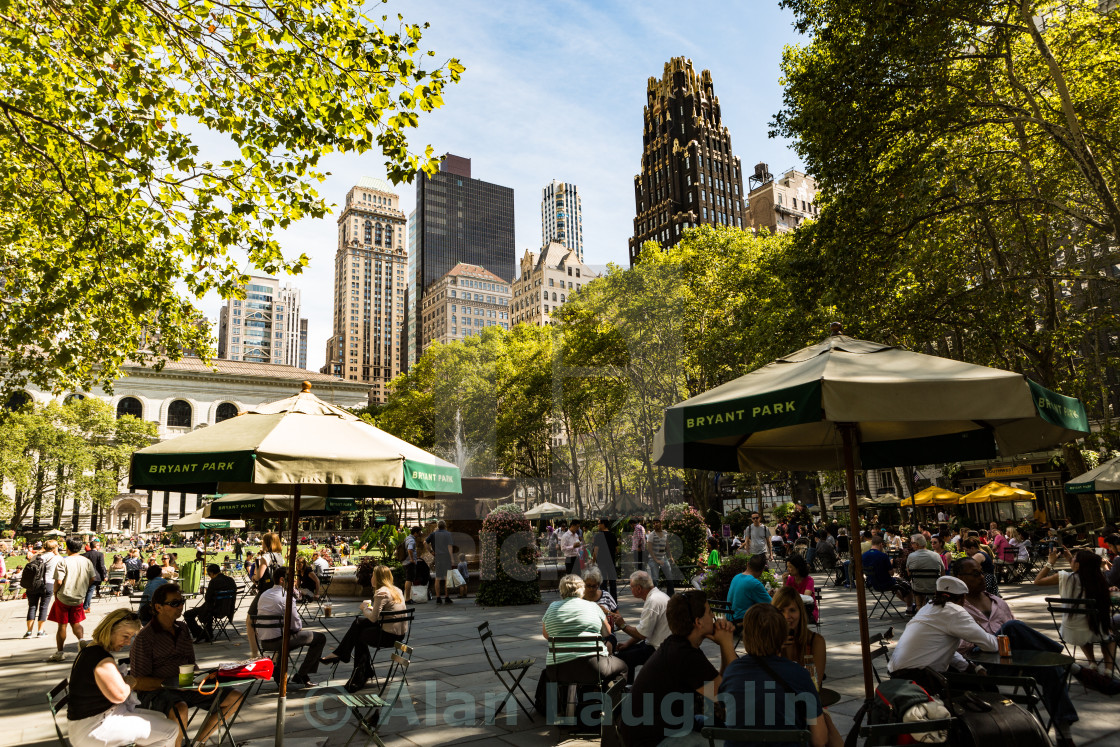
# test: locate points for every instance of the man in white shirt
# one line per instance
(931, 638)
(272, 602)
(651, 630)
(757, 537)
(323, 562)
(569, 544)
(922, 559)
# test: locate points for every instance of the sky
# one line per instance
(555, 90)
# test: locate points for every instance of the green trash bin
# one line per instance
(189, 576)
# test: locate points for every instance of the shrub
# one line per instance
(685, 522)
(506, 578)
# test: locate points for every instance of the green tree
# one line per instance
(110, 209)
(968, 155)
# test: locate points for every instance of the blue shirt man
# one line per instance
(877, 567)
(746, 590)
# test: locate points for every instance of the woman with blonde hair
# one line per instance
(101, 710)
(368, 630)
(802, 646)
(268, 560)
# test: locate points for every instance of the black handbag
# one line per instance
(985, 719)
(359, 678)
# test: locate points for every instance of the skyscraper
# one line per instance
(369, 286)
(263, 328)
(457, 219)
(689, 175)
(562, 216)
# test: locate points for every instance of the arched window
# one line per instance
(130, 406)
(74, 397)
(179, 414)
(225, 411)
(377, 234)
(554, 295)
(17, 401)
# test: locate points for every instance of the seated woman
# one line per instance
(799, 579)
(802, 645)
(102, 710)
(574, 616)
(982, 554)
(367, 630)
(168, 568)
(593, 591)
(307, 579)
(1083, 580)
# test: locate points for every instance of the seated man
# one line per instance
(323, 562)
(766, 691)
(650, 631)
(210, 607)
(879, 570)
(747, 590)
(160, 648)
(826, 549)
(922, 559)
(678, 668)
(272, 602)
(931, 638)
(993, 615)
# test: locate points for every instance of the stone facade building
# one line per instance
(781, 205)
(689, 175)
(462, 303)
(185, 396)
(546, 282)
(370, 270)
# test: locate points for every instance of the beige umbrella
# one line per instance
(548, 510)
(300, 445)
(196, 520)
(852, 404)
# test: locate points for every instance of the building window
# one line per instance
(130, 406)
(179, 414)
(225, 411)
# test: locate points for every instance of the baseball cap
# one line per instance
(951, 585)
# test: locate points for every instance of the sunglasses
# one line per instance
(174, 603)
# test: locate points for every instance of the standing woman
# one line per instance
(270, 558)
(101, 709)
(802, 645)
(1083, 580)
(799, 579)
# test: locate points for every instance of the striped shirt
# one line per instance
(573, 617)
(158, 653)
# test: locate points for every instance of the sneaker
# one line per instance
(439, 600)
(42, 634)
(447, 600)
(1104, 669)
(56, 656)
(28, 634)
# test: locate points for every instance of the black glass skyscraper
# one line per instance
(457, 219)
(689, 175)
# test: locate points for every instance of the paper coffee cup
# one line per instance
(186, 675)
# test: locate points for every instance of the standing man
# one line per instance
(410, 558)
(570, 543)
(95, 556)
(443, 551)
(604, 553)
(660, 561)
(757, 537)
(211, 607)
(650, 631)
(72, 578)
(238, 548)
(638, 542)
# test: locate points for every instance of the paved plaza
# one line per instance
(450, 681)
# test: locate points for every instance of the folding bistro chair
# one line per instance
(115, 582)
(509, 673)
(566, 721)
(1066, 606)
(225, 604)
(883, 599)
(325, 579)
(800, 737)
(57, 699)
(273, 622)
(882, 652)
(919, 575)
(373, 710)
(387, 617)
(1024, 690)
(723, 609)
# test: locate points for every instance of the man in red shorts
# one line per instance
(72, 578)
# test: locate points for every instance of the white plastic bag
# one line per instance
(419, 594)
(454, 579)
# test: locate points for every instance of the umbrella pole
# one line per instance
(289, 583)
(847, 431)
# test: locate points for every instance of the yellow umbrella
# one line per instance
(996, 492)
(933, 496)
